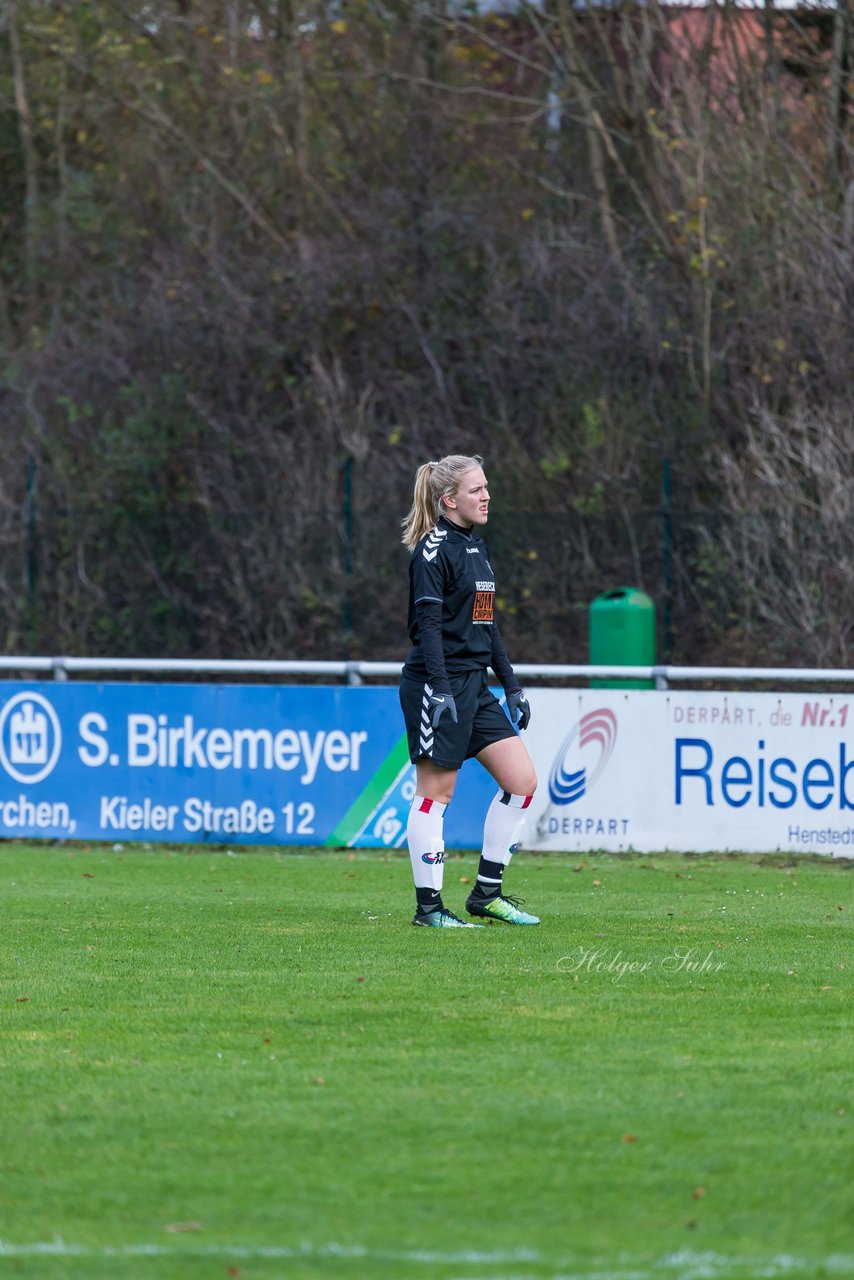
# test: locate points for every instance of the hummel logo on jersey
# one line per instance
(425, 732)
(433, 543)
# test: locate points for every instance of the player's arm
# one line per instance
(428, 590)
(428, 614)
(517, 704)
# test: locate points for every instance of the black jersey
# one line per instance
(450, 566)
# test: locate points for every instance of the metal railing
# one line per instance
(354, 672)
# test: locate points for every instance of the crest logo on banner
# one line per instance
(582, 756)
(30, 737)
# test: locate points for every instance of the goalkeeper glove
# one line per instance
(439, 703)
(519, 708)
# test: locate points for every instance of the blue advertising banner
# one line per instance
(247, 764)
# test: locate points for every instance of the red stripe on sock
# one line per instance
(425, 806)
(507, 797)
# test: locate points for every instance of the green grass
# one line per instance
(253, 1065)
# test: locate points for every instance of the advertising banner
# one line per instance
(290, 765)
(246, 764)
(692, 771)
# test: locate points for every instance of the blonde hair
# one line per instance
(433, 482)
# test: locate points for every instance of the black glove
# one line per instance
(519, 708)
(438, 704)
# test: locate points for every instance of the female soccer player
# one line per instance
(450, 713)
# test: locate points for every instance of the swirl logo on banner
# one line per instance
(583, 756)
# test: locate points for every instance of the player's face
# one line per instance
(470, 504)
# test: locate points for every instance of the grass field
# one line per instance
(250, 1064)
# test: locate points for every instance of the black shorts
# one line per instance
(480, 720)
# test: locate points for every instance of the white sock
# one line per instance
(424, 836)
(502, 830)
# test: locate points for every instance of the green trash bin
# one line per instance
(622, 630)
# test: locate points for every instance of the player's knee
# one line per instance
(442, 789)
(529, 784)
(520, 794)
(525, 779)
(434, 782)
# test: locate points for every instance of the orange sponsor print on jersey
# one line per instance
(482, 611)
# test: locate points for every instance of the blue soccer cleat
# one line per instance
(442, 918)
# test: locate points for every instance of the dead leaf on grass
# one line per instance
(174, 1228)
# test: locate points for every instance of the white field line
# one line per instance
(682, 1265)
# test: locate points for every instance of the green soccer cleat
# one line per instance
(442, 918)
(499, 908)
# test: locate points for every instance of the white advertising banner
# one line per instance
(692, 771)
